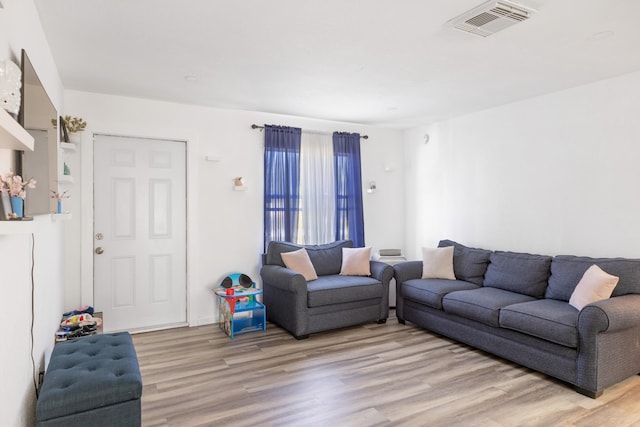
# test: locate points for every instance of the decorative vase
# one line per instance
(10, 83)
(59, 206)
(74, 138)
(17, 205)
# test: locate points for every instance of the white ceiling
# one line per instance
(392, 63)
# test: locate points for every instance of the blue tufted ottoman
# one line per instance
(92, 381)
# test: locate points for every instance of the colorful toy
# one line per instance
(80, 310)
(84, 319)
(237, 279)
(238, 309)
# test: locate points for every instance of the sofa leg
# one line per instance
(589, 393)
(301, 337)
(401, 321)
(382, 321)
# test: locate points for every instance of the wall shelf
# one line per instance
(60, 217)
(28, 227)
(69, 147)
(12, 135)
(16, 227)
(66, 179)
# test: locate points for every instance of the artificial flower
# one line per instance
(59, 196)
(14, 185)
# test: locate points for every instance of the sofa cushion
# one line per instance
(469, 264)
(336, 289)
(326, 259)
(595, 285)
(567, 270)
(431, 291)
(356, 262)
(482, 304)
(299, 262)
(551, 320)
(518, 272)
(437, 263)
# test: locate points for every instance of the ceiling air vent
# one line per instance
(491, 17)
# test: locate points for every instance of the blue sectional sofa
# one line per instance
(516, 306)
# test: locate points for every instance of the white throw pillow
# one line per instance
(355, 262)
(300, 262)
(595, 285)
(437, 263)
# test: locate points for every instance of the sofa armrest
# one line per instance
(283, 279)
(402, 272)
(285, 296)
(608, 332)
(384, 273)
(407, 271)
(381, 271)
(613, 314)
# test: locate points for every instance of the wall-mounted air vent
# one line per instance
(491, 17)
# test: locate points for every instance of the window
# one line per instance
(313, 187)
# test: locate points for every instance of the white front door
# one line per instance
(139, 232)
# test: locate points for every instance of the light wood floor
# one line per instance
(370, 375)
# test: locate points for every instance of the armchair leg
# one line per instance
(382, 321)
(301, 337)
(589, 393)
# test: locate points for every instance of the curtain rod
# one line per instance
(255, 126)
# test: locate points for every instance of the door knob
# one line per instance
(99, 250)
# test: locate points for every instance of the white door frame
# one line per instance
(87, 214)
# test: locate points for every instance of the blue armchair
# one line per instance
(329, 302)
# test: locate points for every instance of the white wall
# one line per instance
(20, 28)
(225, 226)
(553, 174)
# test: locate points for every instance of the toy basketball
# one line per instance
(237, 279)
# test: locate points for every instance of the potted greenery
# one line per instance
(72, 125)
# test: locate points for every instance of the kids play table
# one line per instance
(239, 311)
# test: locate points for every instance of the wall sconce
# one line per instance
(238, 184)
(372, 187)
